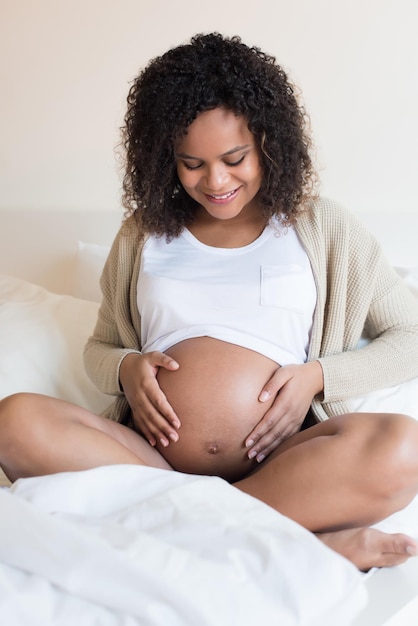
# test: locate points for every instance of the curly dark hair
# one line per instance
(212, 71)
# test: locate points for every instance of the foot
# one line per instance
(369, 547)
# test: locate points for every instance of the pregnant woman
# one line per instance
(233, 302)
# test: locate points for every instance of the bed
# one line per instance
(128, 545)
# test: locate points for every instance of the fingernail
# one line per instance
(164, 442)
(260, 458)
(264, 396)
(174, 437)
(411, 550)
(173, 364)
(252, 454)
(250, 443)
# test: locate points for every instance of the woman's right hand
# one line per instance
(152, 414)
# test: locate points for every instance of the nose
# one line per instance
(216, 177)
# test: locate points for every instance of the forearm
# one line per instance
(118, 327)
(102, 362)
(104, 353)
(390, 356)
(387, 361)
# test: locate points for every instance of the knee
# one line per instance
(403, 439)
(15, 403)
(391, 446)
(399, 434)
(15, 418)
(14, 432)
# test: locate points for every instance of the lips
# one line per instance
(222, 198)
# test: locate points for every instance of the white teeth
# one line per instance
(224, 197)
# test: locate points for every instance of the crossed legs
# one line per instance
(335, 478)
(339, 477)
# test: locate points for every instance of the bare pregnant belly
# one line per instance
(215, 395)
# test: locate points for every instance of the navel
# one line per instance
(213, 448)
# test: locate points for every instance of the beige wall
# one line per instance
(65, 66)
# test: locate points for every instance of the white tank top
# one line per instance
(261, 296)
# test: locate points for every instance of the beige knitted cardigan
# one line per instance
(357, 291)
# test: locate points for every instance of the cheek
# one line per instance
(252, 172)
(255, 178)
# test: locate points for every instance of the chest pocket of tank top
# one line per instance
(285, 287)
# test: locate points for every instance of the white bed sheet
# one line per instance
(129, 545)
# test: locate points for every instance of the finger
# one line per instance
(156, 429)
(150, 420)
(273, 385)
(283, 429)
(269, 421)
(263, 449)
(141, 428)
(158, 424)
(265, 446)
(159, 359)
(166, 411)
(156, 404)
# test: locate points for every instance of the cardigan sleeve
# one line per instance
(366, 295)
(389, 354)
(117, 330)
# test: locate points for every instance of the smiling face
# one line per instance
(219, 167)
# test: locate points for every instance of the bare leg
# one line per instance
(332, 478)
(346, 473)
(42, 435)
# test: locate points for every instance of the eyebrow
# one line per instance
(182, 155)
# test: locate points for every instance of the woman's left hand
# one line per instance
(294, 387)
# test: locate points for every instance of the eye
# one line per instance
(235, 163)
(191, 167)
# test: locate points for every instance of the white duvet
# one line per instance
(129, 545)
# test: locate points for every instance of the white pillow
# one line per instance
(410, 277)
(89, 261)
(42, 337)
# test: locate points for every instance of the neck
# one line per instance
(233, 233)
